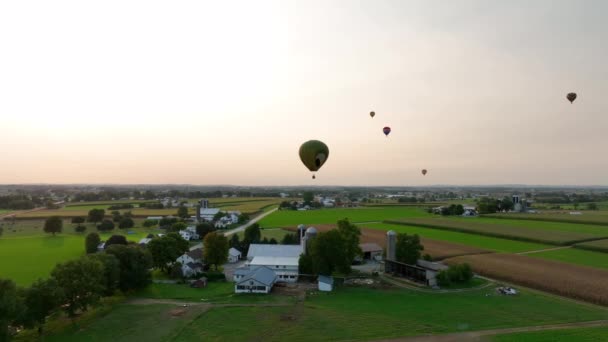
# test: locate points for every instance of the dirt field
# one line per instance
(579, 282)
(437, 249)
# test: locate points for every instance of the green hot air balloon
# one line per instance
(314, 154)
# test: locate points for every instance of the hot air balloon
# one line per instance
(314, 154)
(386, 130)
(424, 171)
(372, 114)
(571, 97)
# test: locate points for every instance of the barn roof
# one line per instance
(274, 261)
(256, 250)
(370, 247)
(263, 275)
(234, 252)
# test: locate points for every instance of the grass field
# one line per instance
(565, 279)
(561, 335)
(575, 256)
(533, 231)
(599, 217)
(346, 314)
(275, 233)
(598, 245)
(480, 241)
(290, 218)
(37, 252)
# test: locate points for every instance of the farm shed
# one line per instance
(274, 251)
(199, 283)
(411, 272)
(326, 283)
(258, 280)
(233, 255)
(371, 251)
(285, 268)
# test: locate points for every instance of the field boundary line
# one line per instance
(544, 250)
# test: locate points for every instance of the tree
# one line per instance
(308, 197)
(234, 241)
(459, 273)
(150, 223)
(591, 206)
(176, 271)
(167, 222)
(176, 227)
(182, 212)
(80, 228)
(305, 264)
(40, 300)
(53, 224)
(218, 216)
(273, 241)
(111, 272)
(116, 216)
(575, 204)
(329, 253)
(135, 263)
(106, 225)
(9, 306)
(507, 204)
(253, 234)
(96, 215)
(166, 249)
(216, 249)
(116, 240)
(350, 235)
(243, 218)
(91, 242)
(289, 239)
(78, 220)
(487, 205)
(408, 248)
(126, 222)
(202, 229)
(82, 282)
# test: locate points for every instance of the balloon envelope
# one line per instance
(314, 154)
(571, 97)
(386, 130)
(424, 172)
(372, 114)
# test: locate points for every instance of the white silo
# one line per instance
(391, 243)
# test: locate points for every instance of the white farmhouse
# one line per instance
(193, 256)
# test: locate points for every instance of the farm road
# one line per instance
(482, 334)
(543, 250)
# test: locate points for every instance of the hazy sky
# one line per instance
(224, 92)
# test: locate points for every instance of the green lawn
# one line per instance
(26, 259)
(575, 256)
(360, 314)
(548, 226)
(276, 233)
(480, 241)
(561, 335)
(291, 218)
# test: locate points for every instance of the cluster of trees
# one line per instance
(411, 200)
(332, 251)
(20, 202)
(124, 220)
(73, 287)
(489, 205)
(460, 273)
(215, 249)
(121, 206)
(152, 205)
(408, 248)
(164, 250)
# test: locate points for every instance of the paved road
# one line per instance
(242, 227)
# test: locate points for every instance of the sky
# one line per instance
(225, 92)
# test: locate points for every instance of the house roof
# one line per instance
(256, 250)
(326, 279)
(274, 261)
(144, 241)
(245, 270)
(209, 211)
(370, 247)
(196, 254)
(234, 252)
(263, 275)
(194, 265)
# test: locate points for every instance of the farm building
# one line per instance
(206, 214)
(144, 241)
(257, 280)
(371, 251)
(326, 283)
(101, 247)
(285, 268)
(423, 272)
(290, 251)
(234, 255)
(193, 256)
(192, 268)
(199, 283)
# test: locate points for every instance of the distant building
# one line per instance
(234, 255)
(144, 241)
(193, 256)
(371, 251)
(207, 214)
(326, 284)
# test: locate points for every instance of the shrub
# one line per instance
(78, 220)
(150, 223)
(106, 225)
(80, 229)
(459, 273)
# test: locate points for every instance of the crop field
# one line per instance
(598, 245)
(436, 248)
(565, 279)
(575, 256)
(346, 314)
(524, 230)
(275, 233)
(599, 217)
(291, 218)
(561, 335)
(473, 240)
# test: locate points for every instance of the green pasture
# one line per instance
(480, 241)
(575, 256)
(275, 233)
(598, 245)
(595, 217)
(292, 218)
(561, 335)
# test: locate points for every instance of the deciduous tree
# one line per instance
(82, 281)
(91, 242)
(408, 248)
(53, 224)
(216, 249)
(135, 264)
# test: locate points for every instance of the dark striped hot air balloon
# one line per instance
(571, 97)
(386, 130)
